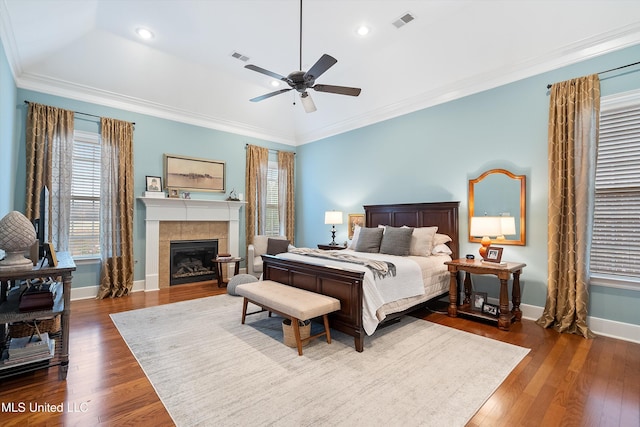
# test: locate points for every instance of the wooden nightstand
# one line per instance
(331, 247)
(503, 272)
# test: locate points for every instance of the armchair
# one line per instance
(255, 251)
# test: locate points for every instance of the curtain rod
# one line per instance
(608, 71)
(271, 150)
(84, 114)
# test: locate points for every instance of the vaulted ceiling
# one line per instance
(88, 50)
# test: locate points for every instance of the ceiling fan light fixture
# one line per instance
(307, 102)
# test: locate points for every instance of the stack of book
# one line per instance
(224, 257)
(28, 349)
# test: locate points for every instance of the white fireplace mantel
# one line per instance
(169, 209)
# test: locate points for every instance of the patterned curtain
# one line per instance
(116, 208)
(49, 149)
(573, 138)
(256, 189)
(286, 194)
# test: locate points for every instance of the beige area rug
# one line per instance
(209, 370)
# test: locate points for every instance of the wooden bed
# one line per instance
(346, 285)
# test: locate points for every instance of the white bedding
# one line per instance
(413, 281)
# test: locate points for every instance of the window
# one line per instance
(84, 217)
(615, 248)
(272, 227)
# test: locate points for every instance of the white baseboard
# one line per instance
(604, 327)
(599, 326)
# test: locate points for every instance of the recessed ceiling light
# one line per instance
(363, 30)
(143, 33)
(275, 83)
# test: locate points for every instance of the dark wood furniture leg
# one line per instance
(504, 322)
(236, 269)
(66, 313)
(453, 292)
(221, 282)
(467, 288)
(515, 291)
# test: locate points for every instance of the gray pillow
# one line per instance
(369, 240)
(396, 241)
(277, 246)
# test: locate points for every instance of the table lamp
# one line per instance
(333, 218)
(486, 227)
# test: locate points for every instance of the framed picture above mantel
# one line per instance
(194, 174)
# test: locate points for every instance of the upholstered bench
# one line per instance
(289, 302)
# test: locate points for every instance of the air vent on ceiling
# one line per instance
(240, 56)
(403, 20)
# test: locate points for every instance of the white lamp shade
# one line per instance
(508, 225)
(489, 226)
(333, 217)
(307, 103)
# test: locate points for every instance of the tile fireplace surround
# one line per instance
(179, 219)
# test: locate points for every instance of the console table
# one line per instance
(9, 312)
(503, 272)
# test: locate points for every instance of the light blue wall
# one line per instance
(8, 145)
(152, 138)
(429, 156)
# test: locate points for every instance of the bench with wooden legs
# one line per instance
(291, 303)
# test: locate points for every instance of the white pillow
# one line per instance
(354, 239)
(422, 241)
(440, 239)
(441, 249)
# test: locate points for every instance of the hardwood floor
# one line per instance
(564, 381)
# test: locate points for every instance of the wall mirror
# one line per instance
(498, 192)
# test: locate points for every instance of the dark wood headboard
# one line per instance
(441, 214)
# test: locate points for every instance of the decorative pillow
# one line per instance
(369, 240)
(441, 239)
(277, 246)
(354, 239)
(441, 249)
(396, 241)
(422, 241)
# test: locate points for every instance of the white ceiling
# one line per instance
(88, 50)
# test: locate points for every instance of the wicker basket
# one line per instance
(24, 329)
(289, 335)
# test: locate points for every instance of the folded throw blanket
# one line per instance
(380, 269)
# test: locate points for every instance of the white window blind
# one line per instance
(272, 227)
(615, 248)
(84, 227)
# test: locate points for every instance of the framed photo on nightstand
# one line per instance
(477, 300)
(494, 254)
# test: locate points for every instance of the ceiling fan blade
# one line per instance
(269, 95)
(340, 90)
(323, 64)
(307, 102)
(267, 72)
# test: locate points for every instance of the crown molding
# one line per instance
(567, 55)
(561, 57)
(101, 97)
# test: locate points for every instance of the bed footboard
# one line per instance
(345, 285)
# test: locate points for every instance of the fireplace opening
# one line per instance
(191, 261)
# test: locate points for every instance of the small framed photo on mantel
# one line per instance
(154, 183)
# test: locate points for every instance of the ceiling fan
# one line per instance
(304, 80)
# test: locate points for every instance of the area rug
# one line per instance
(209, 370)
